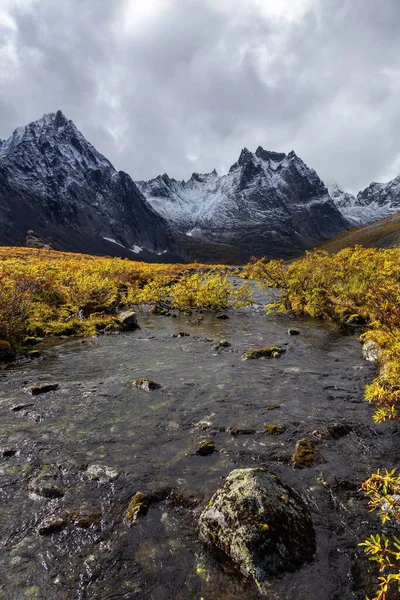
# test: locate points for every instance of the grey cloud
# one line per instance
(184, 88)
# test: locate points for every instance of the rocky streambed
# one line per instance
(73, 458)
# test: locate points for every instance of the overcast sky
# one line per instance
(179, 86)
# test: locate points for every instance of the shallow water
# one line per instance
(96, 417)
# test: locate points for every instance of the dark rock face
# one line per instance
(56, 186)
(261, 524)
(269, 203)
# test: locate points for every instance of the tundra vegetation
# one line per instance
(355, 287)
(44, 292)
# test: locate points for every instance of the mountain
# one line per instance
(384, 233)
(56, 189)
(376, 202)
(269, 203)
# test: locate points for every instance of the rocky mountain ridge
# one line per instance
(54, 183)
(268, 203)
(375, 202)
(56, 189)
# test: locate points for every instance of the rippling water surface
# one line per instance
(148, 442)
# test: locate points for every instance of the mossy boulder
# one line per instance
(7, 354)
(138, 507)
(261, 524)
(264, 352)
(306, 454)
(205, 448)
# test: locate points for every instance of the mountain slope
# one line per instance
(268, 204)
(53, 181)
(381, 234)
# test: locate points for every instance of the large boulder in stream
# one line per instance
(129, 320)
(261, 524)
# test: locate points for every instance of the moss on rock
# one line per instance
(264, 352)
(137, 507)
(274, 429)
(261, 524)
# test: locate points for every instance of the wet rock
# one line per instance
(43, 388)
(51, 524)
(101, 473)
(306, 454)
(85, 517)
(273, 406)
(221, 344)
(159, 310)
(205, 448)
(35, 416)
(293, 331)
(18, 407)
(138, 507)
(34, 354)
(7, 452)
(370, 351)
(241, 431)
(31, 341)
(7, 354)
(264, 352)
(274, 429)
(222, 317)
(334, 430)
(181, 334)
(146, 384)
(47, 487)
(129, 320)
(261, 524)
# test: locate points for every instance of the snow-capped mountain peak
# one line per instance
(268, 199)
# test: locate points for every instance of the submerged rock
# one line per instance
(146, 384)
(43, 388)
(85, 516)
(51, 525)
(129, 321)
(101, 473)
(47, 487)
(222, 317)
(293, 331)
(370, 351)
(261, 524)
